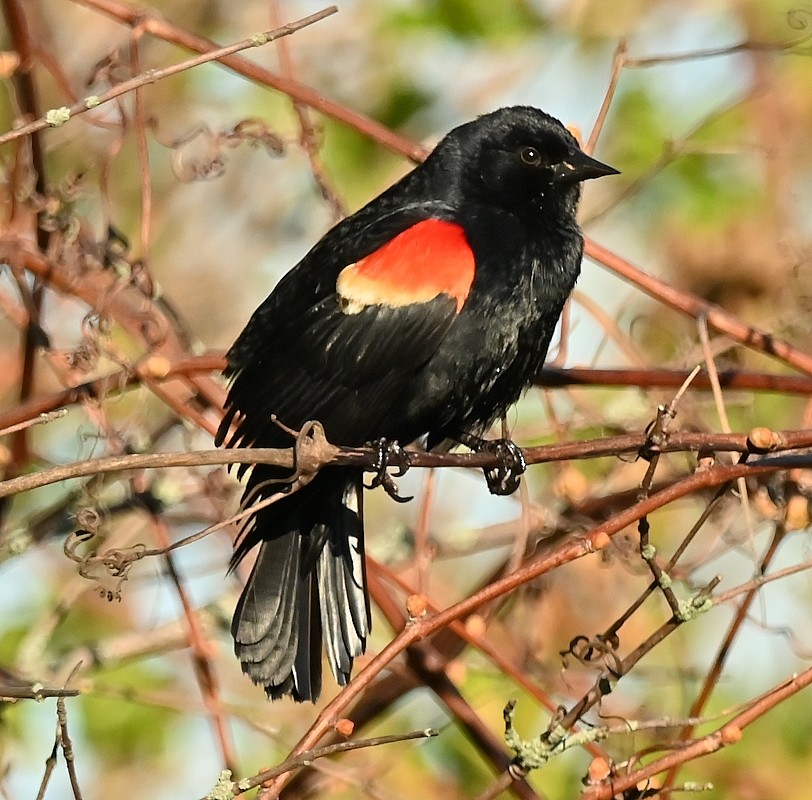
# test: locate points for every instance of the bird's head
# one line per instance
(522, 158)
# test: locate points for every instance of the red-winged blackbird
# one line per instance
(426, 313)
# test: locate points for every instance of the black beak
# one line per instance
(578, 166)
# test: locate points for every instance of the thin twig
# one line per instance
(618, 62)
(721, 410)
(694, 306)
(422, 547)
(789, 48)
(727, 734)
(58, 117)
(161, 28)
(140, 120)
(659, 378)
(305, 758)
(42, 419)
(34, 692)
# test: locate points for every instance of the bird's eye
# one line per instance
(530, 156)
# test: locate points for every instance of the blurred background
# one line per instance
(200, 195)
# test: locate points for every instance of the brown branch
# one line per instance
(577, 546)
(201, 651)
(326, 454)
(27, 97)
(160, 28)
(549, 378)
(654, 378)
(694, 306)
(25, 88)
(761, 580)
(58, 117)
(100, 466)
(727, 734)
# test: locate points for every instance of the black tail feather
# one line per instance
(308, 584)
(307, 666)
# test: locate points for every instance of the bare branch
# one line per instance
(59, 116)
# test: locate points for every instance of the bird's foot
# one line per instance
(503, 478)
(390, 455)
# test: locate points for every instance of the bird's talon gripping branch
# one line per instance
(505, 477)
(390, 454)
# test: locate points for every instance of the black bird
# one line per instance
(426, 313)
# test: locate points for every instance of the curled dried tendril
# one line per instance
(112, 564)
(90, 520)
(595, 650)
(200, 154)
(109, 70)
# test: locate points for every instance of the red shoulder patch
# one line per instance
(432, 257)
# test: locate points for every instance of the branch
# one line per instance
(549, 377)
(160, 28)
(694, 306)
(729, 733)
(57, 117)
(320, 453)
(230, 789)
(34, 692)
(654, 378)
(577, 546)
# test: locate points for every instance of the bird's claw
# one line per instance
(390, 455)
(505, 477)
